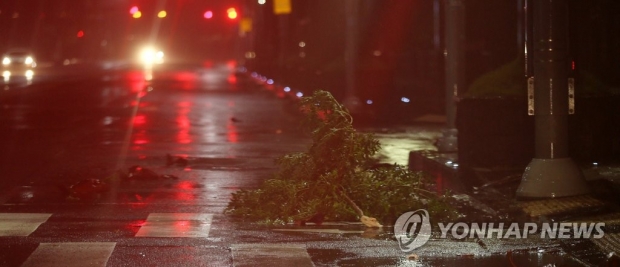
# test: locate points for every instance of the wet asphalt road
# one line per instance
(69, 126)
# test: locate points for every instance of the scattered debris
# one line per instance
(176, 161)
(169, 176)
(140, 173)
(506, 180)
(413, 257)
(87, 189)
(469, 201)
(481, 243)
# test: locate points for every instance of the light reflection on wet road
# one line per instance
(397, 142)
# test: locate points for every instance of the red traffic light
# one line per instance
(80, 34)
(133, 10)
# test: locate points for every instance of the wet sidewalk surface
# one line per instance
(489, 195)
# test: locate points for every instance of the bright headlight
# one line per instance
(29, 60)
(151, 56)
(29, 74)
(147, 55)
(6, 61)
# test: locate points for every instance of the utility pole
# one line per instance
(436, 25)
(246, 33)
(551, 173)
(282, 8)
(283, 24)
(520, 23)
(454, 61)
(351, 101)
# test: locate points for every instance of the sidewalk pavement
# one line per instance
(492, 193)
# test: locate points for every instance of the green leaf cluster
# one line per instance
(319, 180)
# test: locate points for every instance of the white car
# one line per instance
(18, 60)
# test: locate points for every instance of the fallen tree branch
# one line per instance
(368, 221)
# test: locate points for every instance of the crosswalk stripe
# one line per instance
(271, 255)
(70, 254)
(176, 225)
(21, 224)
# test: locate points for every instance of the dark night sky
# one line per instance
(398, 27)
(50, 27)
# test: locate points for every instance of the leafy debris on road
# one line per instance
(86, 189)
(176, 161)
(140, 173)
(331, 180)
(413, 257)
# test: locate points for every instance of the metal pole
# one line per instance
(520, 24)
(436, 25)
(261, 52)
(283, 24)
(551, 173)
(249, 37)
(454, 60)
(351, 101)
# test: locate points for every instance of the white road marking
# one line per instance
(21, 224)
(271, 255)
(176, 225)
(71, 254)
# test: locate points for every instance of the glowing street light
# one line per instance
(232, 13)
(162, 14)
